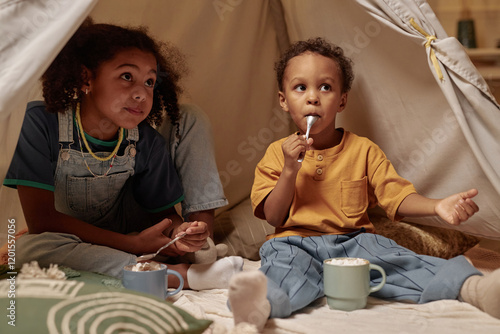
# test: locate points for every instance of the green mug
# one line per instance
(347, 282)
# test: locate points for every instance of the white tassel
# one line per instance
(33, 270)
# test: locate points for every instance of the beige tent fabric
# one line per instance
(470, 101)
(432, 135)
(32, 33)
(231, 46)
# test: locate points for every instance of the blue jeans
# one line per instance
(70, 251)
(294, 269)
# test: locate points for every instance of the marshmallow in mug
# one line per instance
(348, 261)
(347, 282)
(144, 266)
(150, 277)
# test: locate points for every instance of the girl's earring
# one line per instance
(86, 91)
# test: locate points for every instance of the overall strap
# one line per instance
(65, 126)
(133, 134)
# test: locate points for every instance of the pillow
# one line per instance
(83, 305)
(241, 231)
(244, 233)
(423, 239)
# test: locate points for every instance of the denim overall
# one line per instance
(95, 200)
(109, 203)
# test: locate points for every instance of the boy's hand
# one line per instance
(293, 147)
(457, 208)
(196, 235)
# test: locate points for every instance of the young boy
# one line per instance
(319, 206)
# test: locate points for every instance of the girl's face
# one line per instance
(312, 85)
(120, 94)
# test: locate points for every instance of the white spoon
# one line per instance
(310, 121)
(146, 257)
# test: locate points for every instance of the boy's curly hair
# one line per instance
(93, 44)
(320, 46)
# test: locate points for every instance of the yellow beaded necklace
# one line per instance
(80, 129)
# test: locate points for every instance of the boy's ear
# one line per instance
(343, 102)
(283, 103)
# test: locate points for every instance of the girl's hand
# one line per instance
(457, 208)
(293, 148)
(152, 239)
(197, 234)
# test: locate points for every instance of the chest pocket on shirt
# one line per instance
(354, 197)
(92, 198)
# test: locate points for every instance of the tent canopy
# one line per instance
(416, 93)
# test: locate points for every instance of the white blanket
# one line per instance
(446, 316)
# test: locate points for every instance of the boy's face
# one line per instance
(312, 85)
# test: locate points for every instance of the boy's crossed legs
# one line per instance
(293, 266)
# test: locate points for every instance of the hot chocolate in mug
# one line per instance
(152, 280)
(347, 282)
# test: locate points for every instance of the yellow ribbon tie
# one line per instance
(432, 54)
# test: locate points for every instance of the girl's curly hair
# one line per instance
(320, 46)
(93, 44)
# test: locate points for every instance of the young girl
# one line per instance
(89, 168)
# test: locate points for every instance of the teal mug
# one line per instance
(347, 282)
(154, 282)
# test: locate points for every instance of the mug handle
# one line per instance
(181, 285)
(381, 284)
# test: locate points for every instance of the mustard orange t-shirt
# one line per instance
(334, 187)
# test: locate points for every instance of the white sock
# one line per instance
(214, 275)
(247, 298)
(483, 292)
